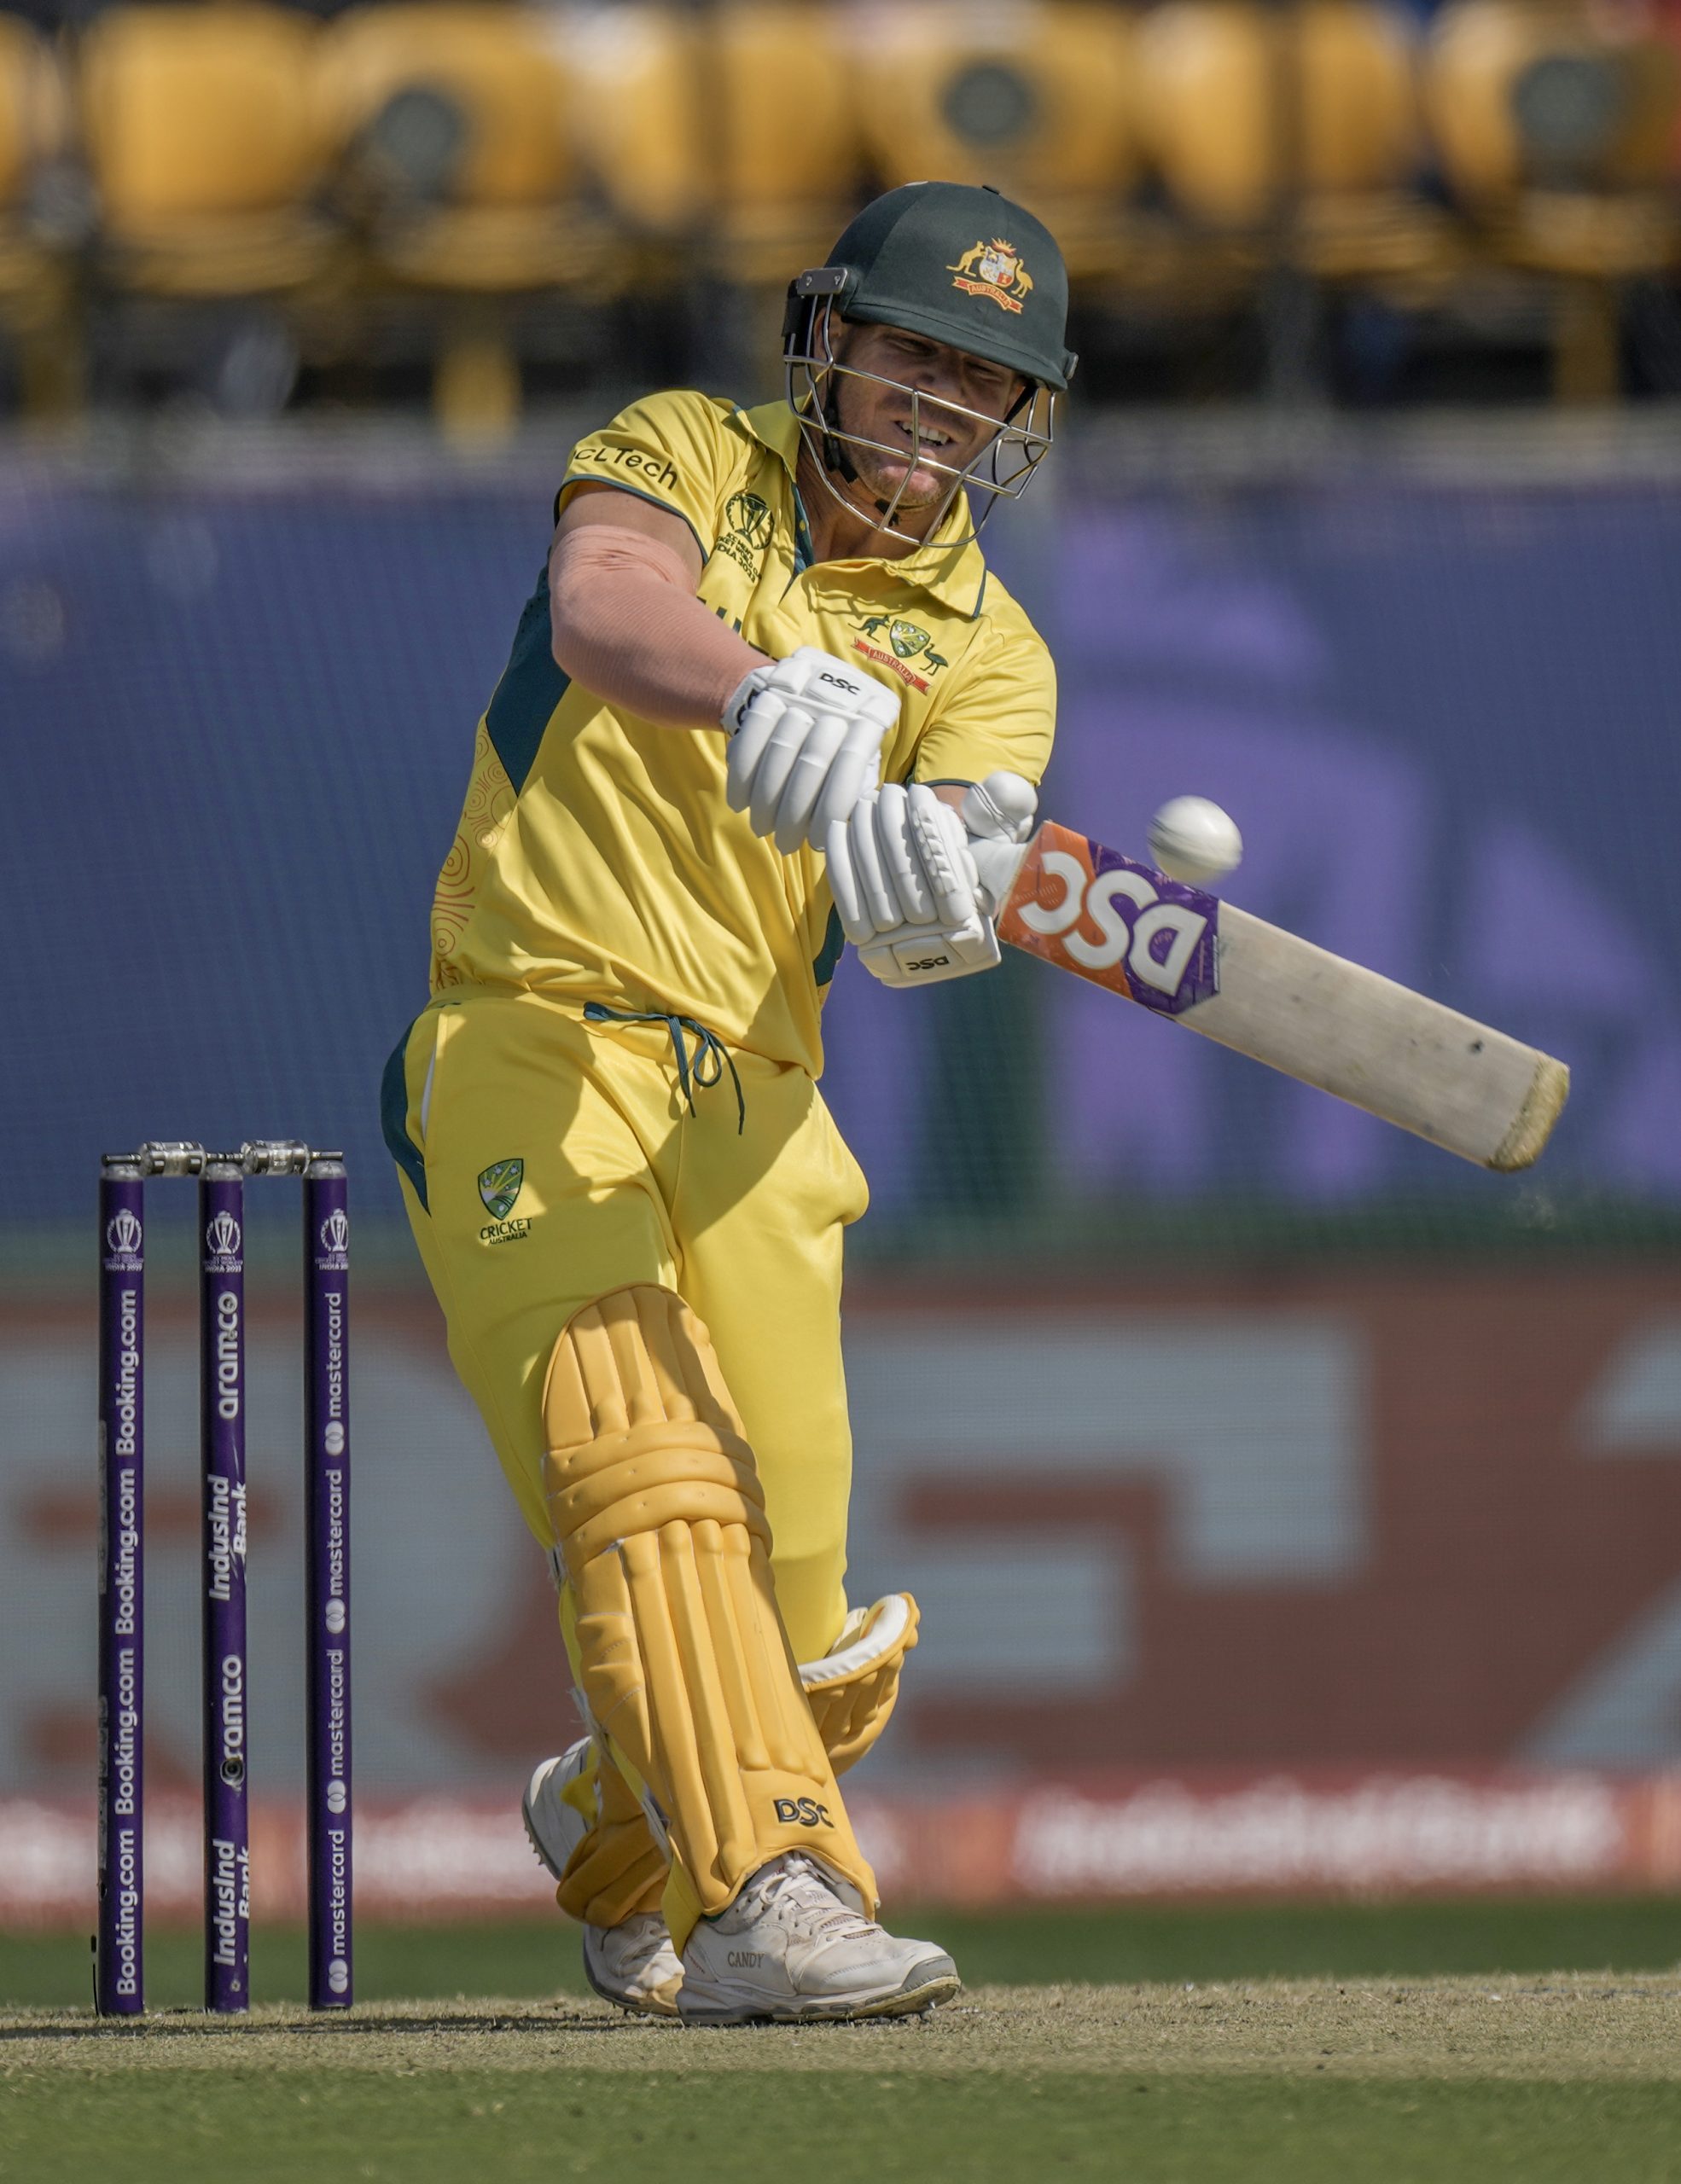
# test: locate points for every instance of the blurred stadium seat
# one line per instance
(201, 130)
(36, 287)
(1555, 123)
(1296, 125)
(725, 145)
(730, 140)
(1550, 96)
(457, 166)
(1036, 99)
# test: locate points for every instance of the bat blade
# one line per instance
(1184, 953)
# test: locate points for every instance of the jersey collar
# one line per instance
(950, 568)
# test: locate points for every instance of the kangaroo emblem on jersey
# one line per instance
(994, 268)
(907, 639)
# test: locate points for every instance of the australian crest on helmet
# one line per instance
(994, 268)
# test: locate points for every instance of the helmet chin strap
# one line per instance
(835, 455)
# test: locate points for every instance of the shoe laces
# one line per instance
(797, 1885)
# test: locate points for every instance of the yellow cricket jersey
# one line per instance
(597, 858)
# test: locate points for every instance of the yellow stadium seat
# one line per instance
(1555, 123)
(1036, 99)
(727, 139)
(507, 215)
(32, 108)
(486, 202)
(1551, 95)
(1300, 124)
(37, 290)
(200, 129)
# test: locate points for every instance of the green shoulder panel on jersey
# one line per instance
(532, 684)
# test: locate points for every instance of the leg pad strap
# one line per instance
(618, 1869)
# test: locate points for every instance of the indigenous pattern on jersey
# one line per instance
(597, 858)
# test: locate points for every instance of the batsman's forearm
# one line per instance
(626, 624)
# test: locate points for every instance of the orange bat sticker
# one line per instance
(1109, 919)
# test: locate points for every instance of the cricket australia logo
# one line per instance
(222, 1243)
(749, 527)
(499, 1186)
(908, 642)
(994, 268)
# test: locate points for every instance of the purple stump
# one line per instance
(227, 1854)
(120, 1976)
(326, 1580)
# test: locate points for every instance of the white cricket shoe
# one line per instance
(790, 1947)
(634, 1964)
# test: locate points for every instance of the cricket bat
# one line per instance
(1213, 968)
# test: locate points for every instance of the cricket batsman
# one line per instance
(762, 667)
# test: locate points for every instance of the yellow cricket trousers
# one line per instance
(547, 1160)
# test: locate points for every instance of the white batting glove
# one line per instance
(905, 887)
(805, 735)
(998, 814)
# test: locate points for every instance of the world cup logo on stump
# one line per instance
(222, 1243)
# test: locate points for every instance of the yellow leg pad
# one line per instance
(684, 1664)
(853, 1688)
(618, 1869)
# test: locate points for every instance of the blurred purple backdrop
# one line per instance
(239, 722)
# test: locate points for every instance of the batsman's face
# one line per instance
(948, 383)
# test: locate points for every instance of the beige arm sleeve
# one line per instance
(627, 625)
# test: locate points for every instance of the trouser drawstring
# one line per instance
(699, 1071)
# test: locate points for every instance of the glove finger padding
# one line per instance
(791, 774)
(942, 854)
(758, 720)
(805, 741)
(853, 1688)
(901, 858)
(854, 773)
(683, 1661)
(863, 894)
(905, 886)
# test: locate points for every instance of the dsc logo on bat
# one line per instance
(1118, 923)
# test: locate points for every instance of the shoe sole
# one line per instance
(910, 2002)
(631, 2008)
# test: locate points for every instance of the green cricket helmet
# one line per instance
(958, 264)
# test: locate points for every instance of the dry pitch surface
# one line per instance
(1248, 2082)
(1561, 2029)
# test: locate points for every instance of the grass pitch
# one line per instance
(1398, 2076)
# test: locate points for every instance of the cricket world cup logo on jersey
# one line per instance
(748, 524)
(222, 1243)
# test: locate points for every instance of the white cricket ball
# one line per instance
(1191, 839)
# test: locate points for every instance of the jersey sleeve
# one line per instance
(669, 448)
(1002, 714)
